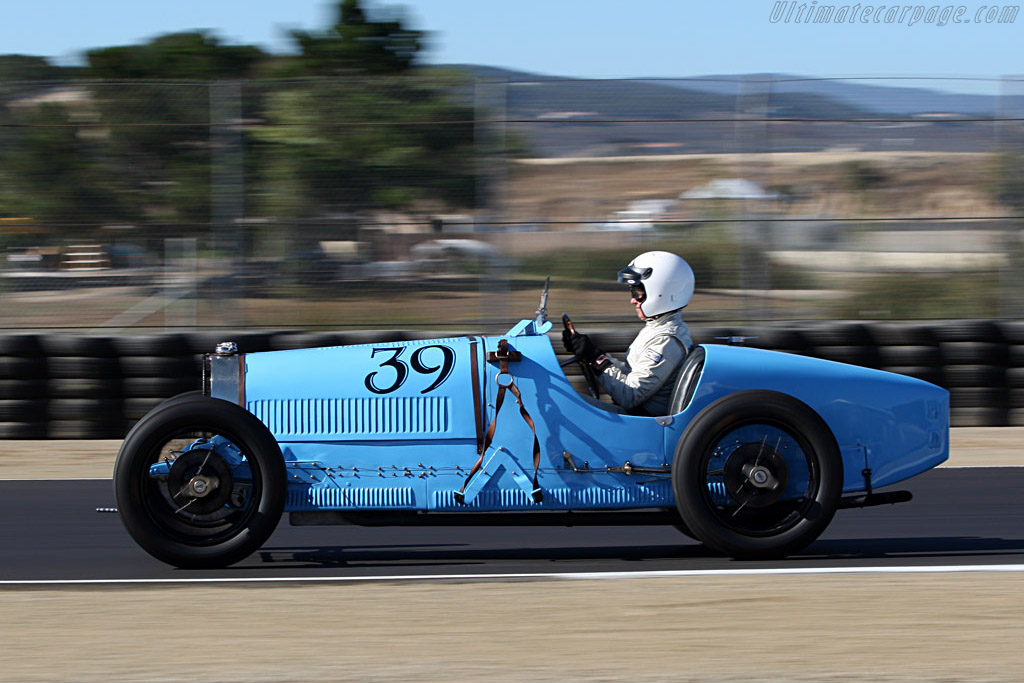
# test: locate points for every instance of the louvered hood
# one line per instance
(399, 391)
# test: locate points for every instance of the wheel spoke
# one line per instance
(749, 508)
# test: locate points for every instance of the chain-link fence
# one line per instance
(441, 201)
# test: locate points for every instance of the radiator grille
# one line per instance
(355, 416)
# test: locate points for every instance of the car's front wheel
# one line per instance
(200, 482)
(757, 475)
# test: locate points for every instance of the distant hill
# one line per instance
(875, 95)
(879, 96)
(567, 117)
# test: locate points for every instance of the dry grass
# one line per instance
(917, 184)
(948, 627)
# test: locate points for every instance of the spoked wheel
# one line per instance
(757, 475)
(200, 482)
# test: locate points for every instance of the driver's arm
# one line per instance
(632, 384)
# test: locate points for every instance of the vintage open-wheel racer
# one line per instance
(757, 452)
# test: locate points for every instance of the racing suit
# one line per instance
(647, 377)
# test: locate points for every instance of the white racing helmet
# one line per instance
(660, 281)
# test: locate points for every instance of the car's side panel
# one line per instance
(369, 426)
(892, 425)
(390, 392)
(595, 440)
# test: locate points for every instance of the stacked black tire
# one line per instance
(1013, 334)
(975, 356)
(23, 387)
(843, 342)
(84, 388)
(155, 367)
(910, 349)
(67, 386)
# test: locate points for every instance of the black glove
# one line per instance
(581, 346)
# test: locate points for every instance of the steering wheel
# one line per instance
(588, 372)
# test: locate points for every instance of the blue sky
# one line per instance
(583, 38)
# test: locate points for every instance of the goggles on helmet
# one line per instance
(633, 277)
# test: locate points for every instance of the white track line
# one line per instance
(567, 576)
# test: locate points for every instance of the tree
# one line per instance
(357, 44)
(54, 171)
(156, 100)
(26, 68)
(190, 56)
(372, 131)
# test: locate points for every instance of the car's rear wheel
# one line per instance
(200, 482)
(757, 474)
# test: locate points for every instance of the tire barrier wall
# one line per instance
(66, 386)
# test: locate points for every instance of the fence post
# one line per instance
(227, 197)
(490, 106)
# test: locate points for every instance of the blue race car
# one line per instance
(757, 452)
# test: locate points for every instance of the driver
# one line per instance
(661, 285)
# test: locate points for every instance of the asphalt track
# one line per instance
(50, 531)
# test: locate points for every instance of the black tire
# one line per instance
(304, 340)
(75, 345)
(978, 416)
(979, 397)
(84, 367)
(17, 367)
(803, 475)
(134, 409)
(22, 430)
(159, 387)
(156, 519)
(22, 410)
(83, 387)
(970, 330)
(84, 409)
(864, 356)
(974, 353)
(19, 344)
(1015, 378)
(161, 366)
(22, 388)
(1012, 331)
(111, 428)
(910, 355)
(926, 373)
(151, 344)
(838, 334)
(777, 339)
(974, 375)
(902, 334)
